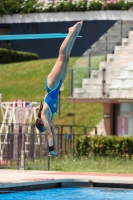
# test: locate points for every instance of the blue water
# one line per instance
(71, 194)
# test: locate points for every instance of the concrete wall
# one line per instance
(48, 48)
(108, 122)
(96, 23)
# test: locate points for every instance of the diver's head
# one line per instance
(39, 125)
(39, 122)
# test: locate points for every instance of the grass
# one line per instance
(82, 71)
(26, 81)
(95, 60)
(71, 163)
(97, 164)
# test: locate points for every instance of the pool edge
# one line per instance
(47, 184)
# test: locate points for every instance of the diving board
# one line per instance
(33, 36)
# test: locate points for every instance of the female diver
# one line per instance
(53, 84)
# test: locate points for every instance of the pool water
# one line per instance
(71, 194)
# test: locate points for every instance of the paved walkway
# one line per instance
(24, 176)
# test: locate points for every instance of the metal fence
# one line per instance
(23, 150)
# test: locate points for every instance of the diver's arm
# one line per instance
(47, 127)
(54, 136)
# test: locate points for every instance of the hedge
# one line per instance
(33, 6)
(10, 56)
(105, 146)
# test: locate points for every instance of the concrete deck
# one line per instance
(25, 180)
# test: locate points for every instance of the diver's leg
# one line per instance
(56, 74)
(52, 140)
(68, 53)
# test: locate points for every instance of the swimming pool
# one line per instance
(71, 194)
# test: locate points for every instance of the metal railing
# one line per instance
(24, 150)
(85, 66)
(74, 129)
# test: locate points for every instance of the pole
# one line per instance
(106, 46)
(59, 104)
(89, 64)
(71, 83)
(74, 112)
(22, 160)
(48, 163)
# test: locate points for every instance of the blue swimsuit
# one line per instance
(52, 98)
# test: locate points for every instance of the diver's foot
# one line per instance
(52, 153)
(76, 27)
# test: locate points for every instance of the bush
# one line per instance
(95, 5)
(20, 6)
(10, 56)
(116, 5)
(105, 146)
(34, 6)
